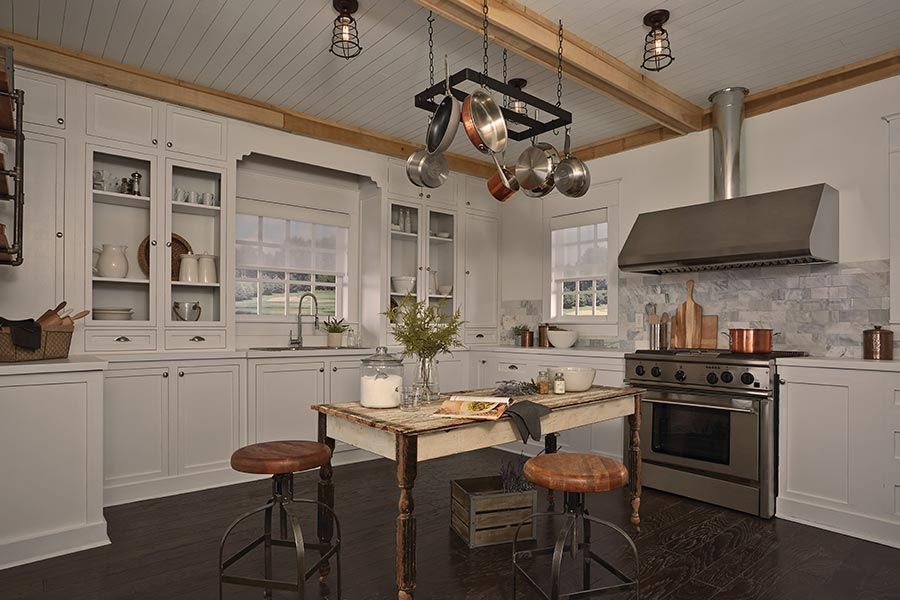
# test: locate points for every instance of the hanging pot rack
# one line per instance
(557, 117)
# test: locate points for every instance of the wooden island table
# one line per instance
(413, 437)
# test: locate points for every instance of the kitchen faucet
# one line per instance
(297, 342)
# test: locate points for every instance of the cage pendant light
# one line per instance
(345, 35)
(657, 52)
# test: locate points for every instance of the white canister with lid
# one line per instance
(206, 268)
(382, 378)
(187, 271)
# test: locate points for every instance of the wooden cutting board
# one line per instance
(690, 317)
(709, 332)
(677, 328)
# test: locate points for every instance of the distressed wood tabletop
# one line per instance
(402, 422)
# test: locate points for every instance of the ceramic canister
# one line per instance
(189, 269)
(206, 268)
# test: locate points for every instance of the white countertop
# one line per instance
(76, 362)
(308, 353)
(858, 364)
(538, 351)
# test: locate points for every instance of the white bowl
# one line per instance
(562, 338)
(445, 290)
(403, 285)
(578, 379)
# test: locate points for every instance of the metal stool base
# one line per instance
(567, 542)
(282, 498)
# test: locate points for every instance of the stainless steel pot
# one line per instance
(427, 170)
(572, 176)
(535, 169)
(186, 311)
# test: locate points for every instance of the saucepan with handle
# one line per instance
(750, 340)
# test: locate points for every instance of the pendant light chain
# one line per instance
(484, 42)
(430, 49)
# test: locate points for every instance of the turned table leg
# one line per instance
(634, 422)
(326, 496)
(406, 520)
(551, 445)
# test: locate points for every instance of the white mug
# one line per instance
(209, 199)
(180, 195)
(194, 197)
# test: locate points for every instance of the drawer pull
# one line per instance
(198, 338)
(479, 336)
(123, 338)
(513, 368)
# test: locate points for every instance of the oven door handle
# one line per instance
(698, 405)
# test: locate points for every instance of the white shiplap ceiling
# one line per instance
(276, 50)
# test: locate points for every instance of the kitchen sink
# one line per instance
(292, 349)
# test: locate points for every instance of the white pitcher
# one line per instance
(206, 268)
(188, 271)
(111, 261)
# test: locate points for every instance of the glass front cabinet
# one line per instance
(155, 239)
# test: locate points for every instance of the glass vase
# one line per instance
(427, 379)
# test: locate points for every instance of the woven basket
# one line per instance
(55, 342)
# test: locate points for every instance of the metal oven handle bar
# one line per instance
(698, 405)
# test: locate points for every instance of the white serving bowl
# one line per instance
(445, 290)
(562, 338)
(578, 379)
(403, 285)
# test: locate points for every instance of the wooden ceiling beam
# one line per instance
(93, 69)
(828, 82)
(533, 36)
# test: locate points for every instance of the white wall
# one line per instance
(840, 139)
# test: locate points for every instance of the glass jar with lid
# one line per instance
(382, 378)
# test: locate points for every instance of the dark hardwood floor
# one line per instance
(166, 548)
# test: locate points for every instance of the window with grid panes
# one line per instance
(580, 264)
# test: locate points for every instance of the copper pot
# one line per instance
(750, 341)
(878, 344)
(500, 190)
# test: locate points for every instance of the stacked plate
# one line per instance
(113, 314)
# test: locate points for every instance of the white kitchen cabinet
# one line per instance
(343, 381)
(477, 198)
(839, 450)
(194, 132)
(122, 117)
(135, 425)
(51, 440)
(208, 409)
(45, 98)
(482, 256)
(453, 372)
(24, 294)
(282, 392)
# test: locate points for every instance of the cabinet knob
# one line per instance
(181, 373)
(420, 268)
(123, 338)
(154, 141)
(168, 244)
(168, 144)
(165, 374)
(60, 120)
(513, 368)
(152, 242)
(428, 269)
(781, 381)
(198, 338)
(420, 194)
(59, 234)
(322, 370)
(428, 195)
(484, 362)
(468, 203)
(334, 369)
(468, 272)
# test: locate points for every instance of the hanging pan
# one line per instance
(445, 122)
(573, 178)
(427, 170)
(502, 184)
(535, 169)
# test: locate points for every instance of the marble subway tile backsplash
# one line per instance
(822, 309)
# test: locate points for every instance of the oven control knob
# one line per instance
(712, 378)
(655, 372)
(639, 370)
(680, 375)
(726, 377)
(747, 378)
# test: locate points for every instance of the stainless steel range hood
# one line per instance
(793, 226)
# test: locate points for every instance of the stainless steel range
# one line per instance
(708, 426)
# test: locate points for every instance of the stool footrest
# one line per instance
(272, 584)
(243, 552)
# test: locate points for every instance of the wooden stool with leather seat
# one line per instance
(575, 475)
(281, 460)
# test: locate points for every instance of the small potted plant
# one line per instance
(523, 336)
(335, 328)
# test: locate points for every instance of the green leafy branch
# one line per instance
(423, 329)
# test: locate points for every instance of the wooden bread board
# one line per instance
(709, 332)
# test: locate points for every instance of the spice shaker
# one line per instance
(878, 343)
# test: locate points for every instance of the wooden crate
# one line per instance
(482, 514)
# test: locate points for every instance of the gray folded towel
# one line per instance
(25, 334)
(527, 418)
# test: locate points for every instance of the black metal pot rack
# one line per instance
(529, 127)
(11, 103)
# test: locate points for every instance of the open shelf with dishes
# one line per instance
(194, 214)
(440, 258)
(121, 216)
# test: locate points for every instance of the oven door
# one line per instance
(704, 432)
